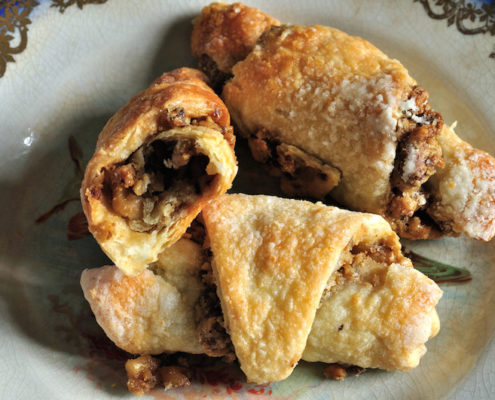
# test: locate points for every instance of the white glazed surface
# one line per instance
(79, 67)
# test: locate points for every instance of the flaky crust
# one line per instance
(464, 190)
(148, 313)
(181, 92)
(227, 33)
(272, 259)
(376, 320)
(334, 96)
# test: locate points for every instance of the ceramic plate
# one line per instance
(66, 66)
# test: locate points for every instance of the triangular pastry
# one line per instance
(273, 258)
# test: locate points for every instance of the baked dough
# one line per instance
(153, 312)
(340, 100)
(158, 160)
(337, 98)
(375, 315)
(273, 259)
(291, 276)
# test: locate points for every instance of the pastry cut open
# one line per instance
(292, 280)
(158, 161)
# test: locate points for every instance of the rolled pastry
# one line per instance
(361, 129)
(294, 280)
(158, 160)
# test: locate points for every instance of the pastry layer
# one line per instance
(377, 311)
(273, 258)
(464, 190)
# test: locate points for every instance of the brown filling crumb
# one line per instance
(418, 157)
(335, 371)
(210, 328)
(142, 374)
(383, 251)
(174, 377)
(300, 173)
(157, 180)
(339, 372)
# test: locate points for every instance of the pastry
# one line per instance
(274, 258)
(158, 160)
(336, 118)
(291, 280)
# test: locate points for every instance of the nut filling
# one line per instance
(418, 157)
(300, 173)
(210, 326)
(363, 262)
(157, 180)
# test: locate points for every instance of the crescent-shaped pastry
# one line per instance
(335, 117)
(294, 280)
(158, 160)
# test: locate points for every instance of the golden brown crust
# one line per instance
(226, 33)
(272, 259)
(153, 110)
(308, 84)
(178, 106)
(341, 100)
